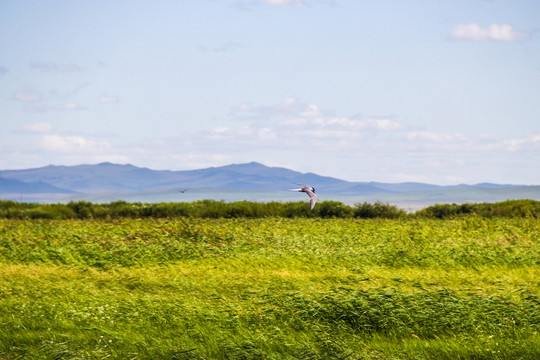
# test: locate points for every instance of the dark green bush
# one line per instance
(82, 209)
(377, 210)
(331, 209)
(509, 208)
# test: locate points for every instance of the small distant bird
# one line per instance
(183, 191)
(310, 191)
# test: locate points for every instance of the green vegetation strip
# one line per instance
(271, 288)
(247, 209)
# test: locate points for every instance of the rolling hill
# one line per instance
(107, 181)
(8, 186)
(107, 177)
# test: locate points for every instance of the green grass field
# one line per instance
(270, 288)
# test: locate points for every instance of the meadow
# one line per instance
(270, 288)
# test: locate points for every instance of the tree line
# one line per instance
(221, 209)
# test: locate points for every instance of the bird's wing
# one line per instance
(312, 202)
(312, 198)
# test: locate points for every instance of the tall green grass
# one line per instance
(270, 288)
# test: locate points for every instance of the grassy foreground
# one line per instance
(270, 288)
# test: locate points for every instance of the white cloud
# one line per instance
(289, 109)
(73, 144)
(266, 133)
(36, 102)
(300, 125)
(251, 4)
(293, 115)
(366, 124)
(435, 137)
(296, 127)
(383, 124)
(37, 128)
(372, 147)
(107, 99)
(219, 132)
(311, 110)
(328, 134)
(513, 145)
(27, 94)
(289, 101)
(494, 32)
(296, 3)
(295, 122)
(68, 106)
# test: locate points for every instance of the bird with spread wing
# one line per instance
(310, 191)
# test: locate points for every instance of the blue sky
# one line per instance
(443, 92)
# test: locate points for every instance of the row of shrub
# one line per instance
(509, 208)
(202, 208)
(221, 209)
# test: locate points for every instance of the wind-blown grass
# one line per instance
(270, 288)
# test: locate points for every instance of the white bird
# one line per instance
(310, 191)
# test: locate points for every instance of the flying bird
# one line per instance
(183, 191)
(310, 191)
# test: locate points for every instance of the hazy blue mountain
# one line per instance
(107, 177)
(115, 180)
(11, 186)
(86, 178)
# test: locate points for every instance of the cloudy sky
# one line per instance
(443, 92)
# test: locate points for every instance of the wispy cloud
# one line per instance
(27, 94)
(288, 111)
(295, 3)
(53, 100)
(73, 144)
(63, 95)
(296, 127)
(251, 4)
(376, 146)
(36, 128)
(229, 46)
(55, 67)
(299, 130)
(493, 32)
(68, 106)
(109, 99)
(293, 118)
(63, 106)
(527, 143)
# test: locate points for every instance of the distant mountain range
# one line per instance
(52, 183)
